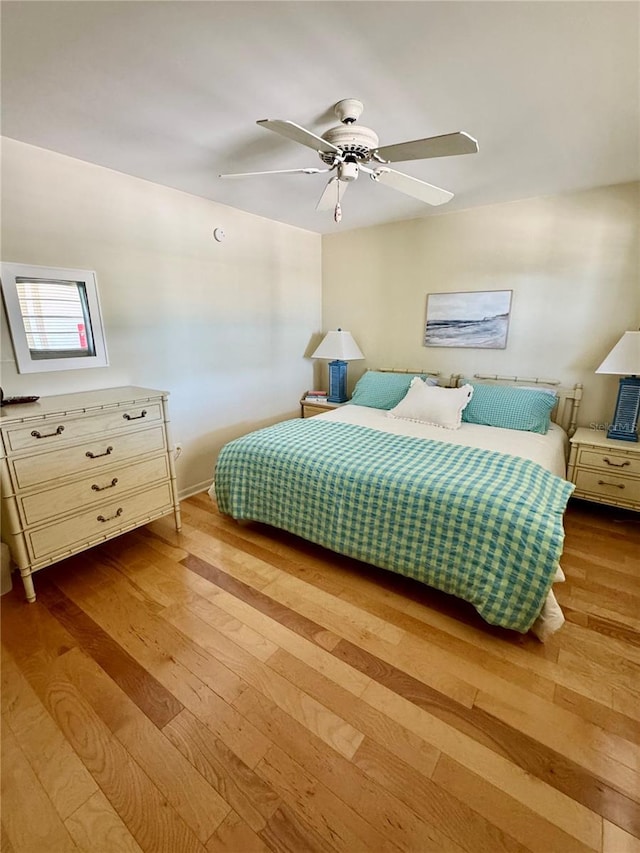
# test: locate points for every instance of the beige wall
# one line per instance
(222, 326)
(572, 262)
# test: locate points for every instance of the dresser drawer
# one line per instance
(106, 485)
(56, 431)
(93, 454)
(609, 486)
(99, 523)
(609, 461)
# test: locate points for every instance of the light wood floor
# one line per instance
(236, 689)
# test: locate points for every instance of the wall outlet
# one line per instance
(177, 450)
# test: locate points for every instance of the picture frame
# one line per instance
(474, 319)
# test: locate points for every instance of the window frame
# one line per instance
(25, 363)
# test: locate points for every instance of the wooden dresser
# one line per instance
(77, 469)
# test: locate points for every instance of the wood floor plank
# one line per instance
(488, 724)
(148, 694)
(151, 820)
(125, 623)
(516, 819)
(248, 795)
(606, 755)
(558, 807)
(466, 828)
(95, 826)
(300, 706)
(399, 741)
(253, 642)
(294, 596)
(59, 770)
(606, 718)
(236, 836)
(466, 660)
(5, 845)
(616, 840)
(288, 832)
(147, 637)
(256, 598)
(23, 797)
(315, 655)
(199, 805)
(388, 816)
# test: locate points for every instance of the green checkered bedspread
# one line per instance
(481, 525)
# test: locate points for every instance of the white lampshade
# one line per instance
(624, 358)
(338, 345)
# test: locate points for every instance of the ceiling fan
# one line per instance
(350, 148)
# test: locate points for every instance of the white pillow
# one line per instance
(429, 404)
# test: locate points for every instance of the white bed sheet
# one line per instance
(550, 450)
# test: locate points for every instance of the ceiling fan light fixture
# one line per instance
(348, 171)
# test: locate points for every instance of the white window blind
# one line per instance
(56, 318)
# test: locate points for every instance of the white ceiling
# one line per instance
(170, 92)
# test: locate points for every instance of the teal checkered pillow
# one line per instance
(506, 406)
(384, 390)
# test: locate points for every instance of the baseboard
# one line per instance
(193, 490)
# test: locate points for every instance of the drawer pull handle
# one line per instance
(108, 486)
(128, 417)
(119, 512)
(615, 485)
(97, 455)
(615, 464)
(37, 434)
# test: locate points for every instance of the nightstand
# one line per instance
(308, 410)
(604, 470)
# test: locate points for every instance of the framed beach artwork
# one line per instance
(469, 319)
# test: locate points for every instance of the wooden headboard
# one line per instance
(565, 412)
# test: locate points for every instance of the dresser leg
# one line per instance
(27, 581)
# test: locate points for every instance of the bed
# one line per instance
(473, 510)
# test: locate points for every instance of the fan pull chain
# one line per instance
(337, 213)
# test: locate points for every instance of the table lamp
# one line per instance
(340, 347)
(624, 358)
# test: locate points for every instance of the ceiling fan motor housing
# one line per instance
(351, 139)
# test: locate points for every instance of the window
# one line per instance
(54, 318)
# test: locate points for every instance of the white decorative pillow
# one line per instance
(433, 405)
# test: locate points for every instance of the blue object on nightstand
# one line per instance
(624, 358)
(337, 382)
(625, 419)
(340, 347)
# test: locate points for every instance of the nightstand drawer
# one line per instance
(608, 486)
(309, 410)
(609, 461)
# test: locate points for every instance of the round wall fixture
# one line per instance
(219, 234)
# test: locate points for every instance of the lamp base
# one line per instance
(337, 382)
(625, 419)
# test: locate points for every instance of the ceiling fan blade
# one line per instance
(333, 194)
(434, 146)
(298, 134)
(412, 186)
(276, 172)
